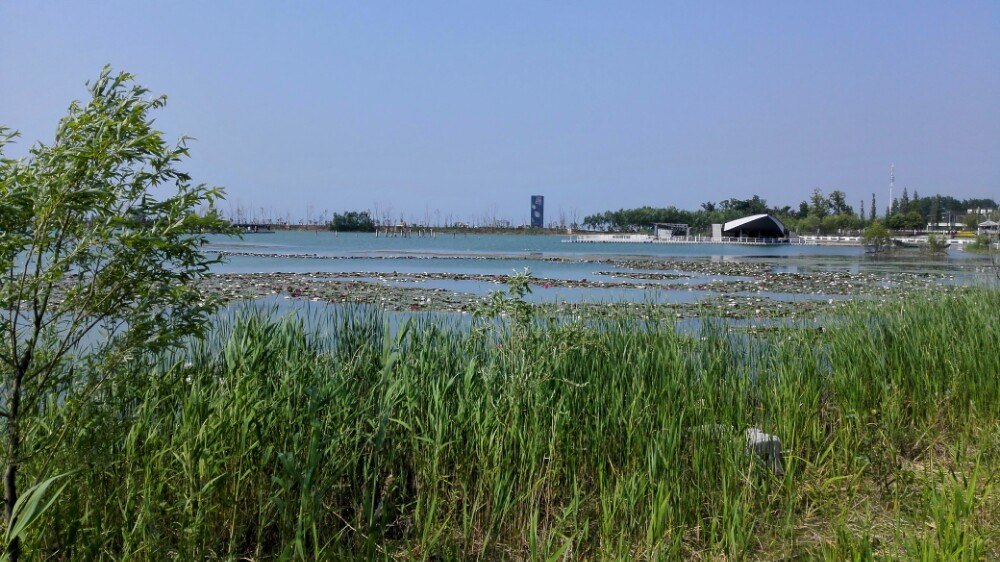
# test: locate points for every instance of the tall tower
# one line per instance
(537, 211)
(892, 184)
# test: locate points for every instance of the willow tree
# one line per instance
(101, 246)
(876, 238)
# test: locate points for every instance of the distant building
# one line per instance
(989, 227)
(670, 231)
(761, 227)
(537, 211)
(945, 226)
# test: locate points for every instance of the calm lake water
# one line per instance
(332, 244)
(464, 254)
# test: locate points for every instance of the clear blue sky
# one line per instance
(470, 109)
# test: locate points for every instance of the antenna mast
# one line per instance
(892, 183)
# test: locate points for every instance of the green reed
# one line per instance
(340, 436)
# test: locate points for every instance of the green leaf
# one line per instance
(29, 506)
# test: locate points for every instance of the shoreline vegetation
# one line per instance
(927, 242)
(143, 421)
(821, 214)
(269, 439)
(439, 230)
(515, 231)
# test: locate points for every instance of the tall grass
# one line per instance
(338, 438)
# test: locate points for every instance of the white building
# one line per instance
(988, 227)
(759, 227)
(945, 226)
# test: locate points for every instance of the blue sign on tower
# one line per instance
(537, 211)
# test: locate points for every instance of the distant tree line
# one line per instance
(821, 213)
(916, 212)
(352, 221)
(644, 217)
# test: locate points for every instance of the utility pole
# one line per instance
(892, 183)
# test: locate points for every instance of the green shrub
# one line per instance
(277, 438)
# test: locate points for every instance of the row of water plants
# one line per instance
(281, 438)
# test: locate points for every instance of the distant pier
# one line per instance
(811, 240)
(253, 228)
(404, 231)
(816, 240)
(651, 239)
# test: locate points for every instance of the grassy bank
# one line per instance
(272, 440)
